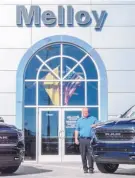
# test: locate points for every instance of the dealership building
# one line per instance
(58, 57)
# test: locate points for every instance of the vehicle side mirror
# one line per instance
(1, 119)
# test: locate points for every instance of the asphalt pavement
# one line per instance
(66, 170)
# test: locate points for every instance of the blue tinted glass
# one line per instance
(77, 73)
(46, 74)
(73, 51)
(93, 112)
(49, 93)
(67, 65)
(30, 133)
(92, 93)
(73, 93)
(90, 68)
(55, 65)
(70, 123)
(43, 73)
(30, 93)
(50, 51)
(50, 123)
(32, 68)
(49, 143)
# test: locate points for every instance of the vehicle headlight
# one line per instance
(20, 136)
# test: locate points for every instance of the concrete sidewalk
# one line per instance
(67, 170)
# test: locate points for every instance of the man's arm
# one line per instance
(95, 123)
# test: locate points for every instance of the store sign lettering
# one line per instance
(33, 16)
(71, 121)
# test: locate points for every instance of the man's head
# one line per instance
(85, 112)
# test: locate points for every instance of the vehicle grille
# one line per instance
(10, 152)
(102, 149)
(115, 135)
(8, 138)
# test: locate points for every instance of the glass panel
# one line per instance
(73, 51)
(46, 74)
(67, 65)
(30, 133)
(55, 66)
(129, 112)
(49, 93)
(93, 112)
(70, 122)
(133, 115)
(30, 93)
(90, 68)
(50, 51)
(49, 124)
(77, 73)
(73, 93)
(32, 68)
(92, 93)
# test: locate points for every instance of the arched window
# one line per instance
(61, 75)
(56, 57)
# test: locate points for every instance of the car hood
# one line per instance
(121, 123)
(7, 128)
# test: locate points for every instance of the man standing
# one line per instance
(83, 136)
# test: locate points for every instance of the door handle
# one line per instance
(63, 134)
(60, 134)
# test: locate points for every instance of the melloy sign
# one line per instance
(34, 16)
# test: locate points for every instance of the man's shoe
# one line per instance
(91, 171)
(85, 171)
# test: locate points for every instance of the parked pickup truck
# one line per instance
(114, 142)
(11, 148)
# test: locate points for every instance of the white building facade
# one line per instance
(56, 58)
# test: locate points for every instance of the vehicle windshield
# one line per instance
(130, 113)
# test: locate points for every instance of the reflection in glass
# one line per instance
(73, 93)
(32, 68)
(73, 51)
(71, 118)
(67, 65)
(93, 112)
(30, 133)
(77, 73)
(49, 126)
(46, 74)
(55, 66)
(50, 51)
(49, 93)
(90, 68)
(30, 93)
(92, 93)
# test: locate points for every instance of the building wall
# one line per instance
(115, 44)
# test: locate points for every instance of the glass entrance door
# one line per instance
(56, 134)
(70, 151)
(49, 135)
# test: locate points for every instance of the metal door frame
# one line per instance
(61, 157)
(49, 158)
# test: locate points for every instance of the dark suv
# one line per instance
(114, 142)
(11, 148)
